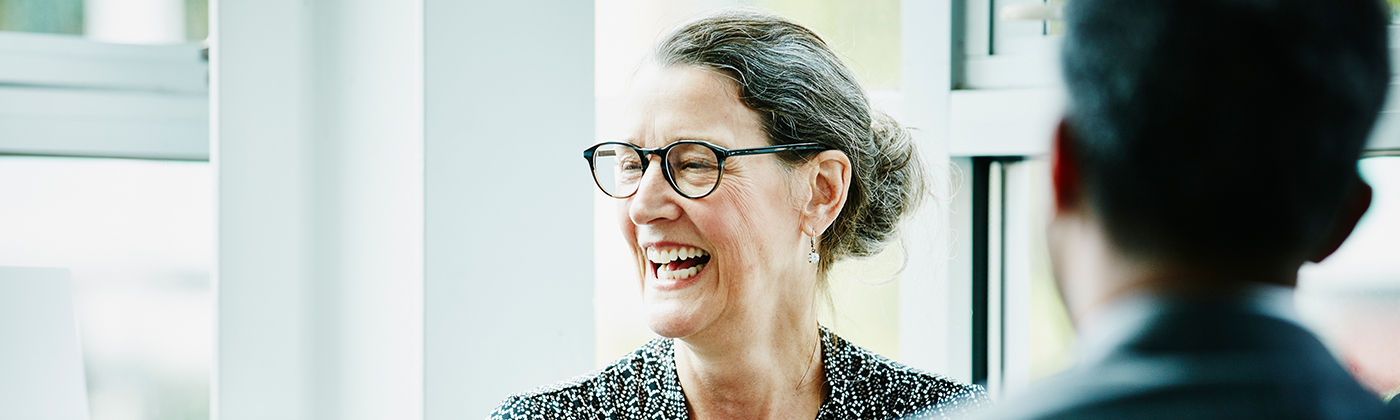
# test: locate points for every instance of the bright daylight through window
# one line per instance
(137, 235)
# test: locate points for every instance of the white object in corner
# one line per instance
(41, 364)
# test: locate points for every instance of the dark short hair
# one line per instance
(1222, 132)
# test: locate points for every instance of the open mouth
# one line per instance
(677, 263)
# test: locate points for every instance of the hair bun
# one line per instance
(891, 177)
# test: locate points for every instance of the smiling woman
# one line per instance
(773, 166)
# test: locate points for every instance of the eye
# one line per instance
(692, 158)
(630, 163)
(698, 165)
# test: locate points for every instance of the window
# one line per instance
(1020, 330)
(1009, 44)
(138, 238)
(1352, 299)
(129, 210)
(1006, 99)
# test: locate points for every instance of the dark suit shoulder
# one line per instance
(1227, 365)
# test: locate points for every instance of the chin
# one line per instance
(668, 329)
(672, 319)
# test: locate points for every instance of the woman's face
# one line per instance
(738, 256)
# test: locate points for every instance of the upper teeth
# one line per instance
(673, 254)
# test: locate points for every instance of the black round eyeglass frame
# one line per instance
(720, 154)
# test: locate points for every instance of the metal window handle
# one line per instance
(1032, 11)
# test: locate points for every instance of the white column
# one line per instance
(260, 140)
(368, 212)
(935, 329)
(509, 271)
(386, 166)
(318, 147)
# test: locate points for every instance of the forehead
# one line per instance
(687, 103)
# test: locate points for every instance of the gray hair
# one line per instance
(803, 93)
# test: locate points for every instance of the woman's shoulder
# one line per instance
(887, 386)
(588, 395)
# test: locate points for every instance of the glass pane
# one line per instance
(42, 16)
(1352, 298)
(138, 237)
(120, 21)
(865, 33)
(695, 168)
(1052, 339)
(617, 169)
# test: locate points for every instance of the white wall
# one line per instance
(318, 147)
(404, 216)
(509, 284)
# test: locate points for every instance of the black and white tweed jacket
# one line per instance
(644, 385)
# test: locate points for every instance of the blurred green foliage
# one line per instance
(66, 17)
(196, 20)
(865, 33)
(46, 16)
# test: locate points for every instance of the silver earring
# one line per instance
(814, 257)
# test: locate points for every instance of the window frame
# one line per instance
(70, 96)
(1002, 109)
(67, 96)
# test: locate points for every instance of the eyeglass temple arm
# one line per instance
(775, 149)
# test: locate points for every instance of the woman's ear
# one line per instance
(830, 182)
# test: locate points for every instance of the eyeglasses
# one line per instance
(693, 168)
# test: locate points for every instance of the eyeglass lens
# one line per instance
(692, 167)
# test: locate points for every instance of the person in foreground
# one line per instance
(1209, 149)
(754, 161)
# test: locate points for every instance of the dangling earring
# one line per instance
(814, 257)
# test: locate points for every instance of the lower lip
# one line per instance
(670, 284)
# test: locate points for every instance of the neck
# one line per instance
(1094, 274)
(761, 371)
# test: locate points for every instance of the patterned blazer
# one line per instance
(644, 385)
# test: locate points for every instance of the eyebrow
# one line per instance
(633, 141)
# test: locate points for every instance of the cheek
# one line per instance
(629, 230)
(624, 222)
(748, 222)
(629, 234)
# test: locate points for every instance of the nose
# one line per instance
(655, 200)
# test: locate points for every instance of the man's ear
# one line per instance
(1065, 170)
(830, 181)
(1357, 201)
